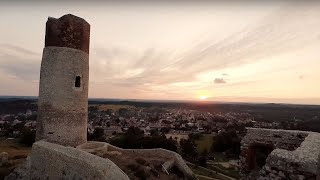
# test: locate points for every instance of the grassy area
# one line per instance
(14, 148)
(206, 172)
(115, 108)
(227, 171)
(203, 178)
(17, 154)
(204, 142)
(220, 157)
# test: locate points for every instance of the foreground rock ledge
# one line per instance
(52, 161)
(49, 161)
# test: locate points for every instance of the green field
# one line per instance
(206, 172)
(115, 108)
(227, 171)
(204, 142)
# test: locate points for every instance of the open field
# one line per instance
(204, 142)
(14, 148)
(17, 155)
(227, 171)
(114, 107)
(209, 173)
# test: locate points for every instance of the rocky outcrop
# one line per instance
(52, 161)
(175, 158)
(291, 154)
(4, 156)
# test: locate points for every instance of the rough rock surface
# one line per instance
(52, 161)
(64, 81)
(20, 173)
(4, 157)
(68, 31)
(177, 160)
(62, 107)
(293, 154)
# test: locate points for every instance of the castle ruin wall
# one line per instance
(290, 154)
(159, 152)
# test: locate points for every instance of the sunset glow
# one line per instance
(232, 52)
(203, 97)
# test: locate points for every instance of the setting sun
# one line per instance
(203, 97)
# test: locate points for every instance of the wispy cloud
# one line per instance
(19, 62)
(175, 72)
(276, 34)
(16, 49)
(219, 81)
(301, 77)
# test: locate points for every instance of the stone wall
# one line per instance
(290, 154)
(53, 161)
(158, 152)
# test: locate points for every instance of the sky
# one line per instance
(240, 52)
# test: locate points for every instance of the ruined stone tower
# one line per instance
(64, 78)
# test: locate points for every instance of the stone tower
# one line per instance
(64, 80)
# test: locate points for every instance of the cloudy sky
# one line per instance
(252, 52)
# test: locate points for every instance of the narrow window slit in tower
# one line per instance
(78, 81)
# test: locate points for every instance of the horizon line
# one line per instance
(180, 100)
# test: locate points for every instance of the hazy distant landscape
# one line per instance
(264, 112)
(200, 131)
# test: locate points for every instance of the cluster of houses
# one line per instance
(12, 124)
(173, 122)
(176, 122)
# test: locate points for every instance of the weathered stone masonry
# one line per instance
(176, 159)
(64, 79)
(289, 155)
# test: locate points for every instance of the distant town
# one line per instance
(206, 135)
(176, 119)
